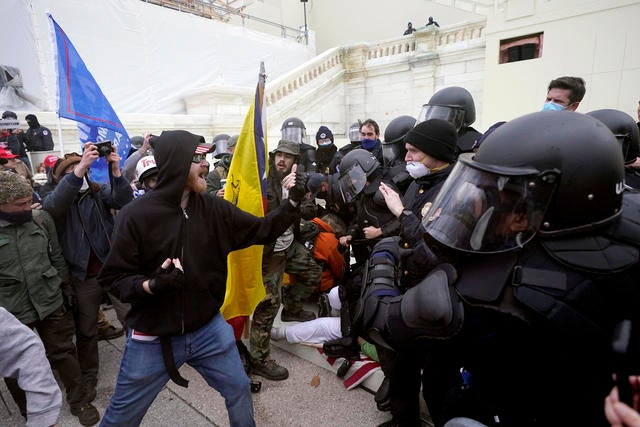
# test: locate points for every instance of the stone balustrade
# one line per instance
(354, 58)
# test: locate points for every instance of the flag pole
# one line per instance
(60, 137)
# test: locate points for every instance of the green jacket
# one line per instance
(31, 268)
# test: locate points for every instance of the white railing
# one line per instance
(350, 58)
(331, 61)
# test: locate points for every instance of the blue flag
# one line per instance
(81, 99)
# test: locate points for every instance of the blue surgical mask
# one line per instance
(368, 144)
(417, 169)
(552, 106)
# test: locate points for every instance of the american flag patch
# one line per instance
(203, 149)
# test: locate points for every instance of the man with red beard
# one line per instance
(169, 260)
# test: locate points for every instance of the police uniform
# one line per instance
(516, 330)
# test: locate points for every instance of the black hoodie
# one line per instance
(154, 227)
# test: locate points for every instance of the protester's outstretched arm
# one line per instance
(620, 414)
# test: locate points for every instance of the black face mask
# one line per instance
(17, 217)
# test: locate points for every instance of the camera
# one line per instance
(104, 148)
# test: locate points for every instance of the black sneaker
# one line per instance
(270, 370)
(110, 333)
(87, 414)
(383, 396)
(301, 316)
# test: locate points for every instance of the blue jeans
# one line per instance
(211, 350)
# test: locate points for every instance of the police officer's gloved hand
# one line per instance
(298, 192)
(167, 280)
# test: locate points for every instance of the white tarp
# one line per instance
(144, 57)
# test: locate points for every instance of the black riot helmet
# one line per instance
(354, 132)
(453, 104)
(293, 129)
(625, 129)
(355, 167)
(547, 172)
(221, 141)
(393, 145)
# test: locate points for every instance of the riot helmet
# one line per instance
(547, 172)
(355, 167)
(453, 104)
(294, 130)
(221, 142)
(624, 128)
(354, 132)
(396, 130)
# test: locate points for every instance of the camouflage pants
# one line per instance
(297, 261)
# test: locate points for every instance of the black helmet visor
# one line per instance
(354, 134)
(352, 182)
(294, 134)
(486, 211)
(451, 113)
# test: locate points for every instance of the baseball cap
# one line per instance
(50, 160)
(7, 154)
(204, 148)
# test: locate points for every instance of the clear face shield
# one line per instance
(487, 212)
(451, 113)
(354, 134)
(294, 134)
(352, 182)
(393, 151)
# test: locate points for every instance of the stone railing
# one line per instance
(331, 61)
(472, 31)
(353, 58)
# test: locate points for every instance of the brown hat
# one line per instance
(63, 163)
(13, 187)
(289, 147)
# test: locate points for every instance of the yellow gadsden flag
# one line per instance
(247, 189)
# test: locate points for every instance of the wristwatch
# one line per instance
(405, 213)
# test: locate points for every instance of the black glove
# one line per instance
(167, 280)
(69, 298)
(298, 192)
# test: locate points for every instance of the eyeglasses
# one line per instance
(197, 158)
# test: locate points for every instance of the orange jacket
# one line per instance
(326, 253)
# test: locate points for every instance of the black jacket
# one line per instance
(154, 227)
(84, 220)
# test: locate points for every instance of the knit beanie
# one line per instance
(324, 133)
(436, 138)
(63, 163)
(13, 187)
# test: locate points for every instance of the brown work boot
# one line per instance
(270, 370)
(109, 333)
